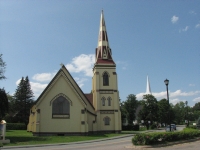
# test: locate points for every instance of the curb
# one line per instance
(70, 143)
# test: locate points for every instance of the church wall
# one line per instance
(49, 124)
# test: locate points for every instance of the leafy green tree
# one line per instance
(130, 106)
(2, 68)
(149, 112)
(196, 106)
(180, 112)
(23, 100)
(3, 103)
(123, 112)
(163, 111)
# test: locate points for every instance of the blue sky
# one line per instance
(160, 39)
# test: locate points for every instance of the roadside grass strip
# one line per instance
(22, 137)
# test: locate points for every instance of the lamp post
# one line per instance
(187, 114)
(166, 83)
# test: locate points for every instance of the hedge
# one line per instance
(16, 126)
(162, 137)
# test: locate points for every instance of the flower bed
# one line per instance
(163, 137)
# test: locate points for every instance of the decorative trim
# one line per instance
(107, 112)
(61, 116)
(61, 94)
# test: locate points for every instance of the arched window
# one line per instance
(105, 79)
(60, 108)
(109, 101)
(106, 120)
(103, 99)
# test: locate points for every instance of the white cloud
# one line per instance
(37, 88)
(43, 77)
(192, 12)
(174, 19)
(191, 84)
(82, 63)
(184, 29)
(174, 95)
(175, 101)
(197, 26)
(80, 81)
(17, 82)
(196, 99)
(123, 63)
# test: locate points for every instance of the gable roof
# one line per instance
(73, 83)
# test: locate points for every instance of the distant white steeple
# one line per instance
(148, 89)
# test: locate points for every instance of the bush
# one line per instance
(192, 127)
(16, 126)
(162, 137)
(153, 126)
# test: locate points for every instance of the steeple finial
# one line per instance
(103, 51)
(148, 89)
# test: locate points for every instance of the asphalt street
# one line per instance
(117, 143)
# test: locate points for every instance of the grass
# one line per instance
(22, 137)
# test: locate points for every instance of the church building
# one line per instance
(63, 108)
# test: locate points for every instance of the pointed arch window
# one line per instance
(103, 101)
(106, 120)
(105, 79)
(60, 108)
(109, 101)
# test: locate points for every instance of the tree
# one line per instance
(180, 112)
(130, 106)
(2, 68)
(149, 111)
(196, 106)
(23, 100)
(3, 103)
(163, 111)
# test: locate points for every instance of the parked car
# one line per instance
(173, 127)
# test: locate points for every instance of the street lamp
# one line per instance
(187, 114)
(166, 83)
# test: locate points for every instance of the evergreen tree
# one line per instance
(3, 103)
(23, 100)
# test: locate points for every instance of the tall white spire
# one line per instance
(148, 89)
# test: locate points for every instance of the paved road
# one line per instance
(109, 144)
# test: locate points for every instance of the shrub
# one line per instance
(162, 137)
(16, 126)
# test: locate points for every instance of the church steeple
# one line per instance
(148, 89)
(103, 51)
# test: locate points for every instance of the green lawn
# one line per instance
(22, 137)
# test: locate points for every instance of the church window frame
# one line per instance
(103, 99)
(106, 121)
(61, 108)
(105, 79)
(109, 101)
